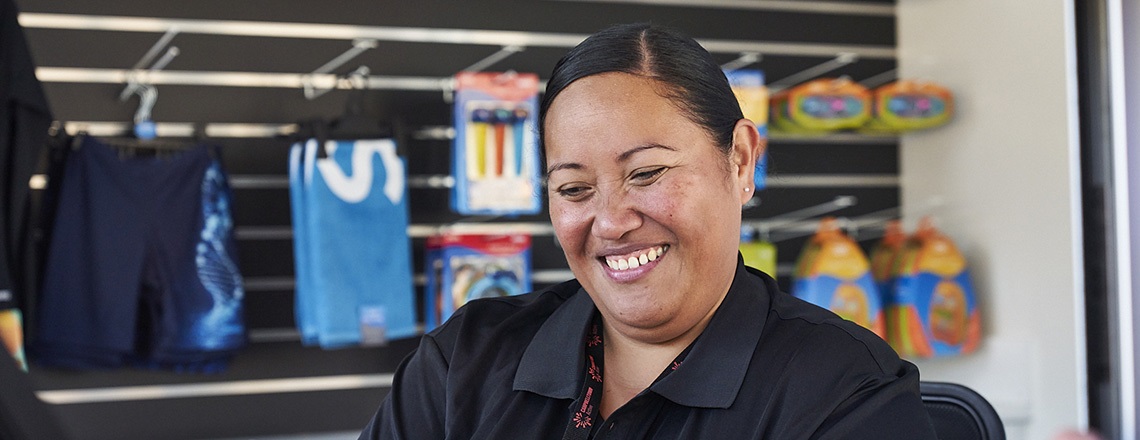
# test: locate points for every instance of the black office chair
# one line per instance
(959, 413)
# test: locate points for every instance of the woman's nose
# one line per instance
(616, 216)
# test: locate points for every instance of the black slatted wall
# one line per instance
(258, 168)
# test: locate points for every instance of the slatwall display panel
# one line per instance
(807, 172)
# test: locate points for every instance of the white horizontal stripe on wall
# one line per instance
(240, 181)
(832, 180)
(407, 34)
(545, 229)
(236, 79)
(235, 388)
(822, 7)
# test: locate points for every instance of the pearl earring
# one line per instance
(746, 189)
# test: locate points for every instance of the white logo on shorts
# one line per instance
(357, 188)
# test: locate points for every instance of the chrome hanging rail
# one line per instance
(797, 220)
(820, 7)
(408, 34)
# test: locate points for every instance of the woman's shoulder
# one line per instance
(816, 335)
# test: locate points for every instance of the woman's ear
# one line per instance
(747, 148)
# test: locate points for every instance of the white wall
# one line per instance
(1130, 51)
(1002, 180)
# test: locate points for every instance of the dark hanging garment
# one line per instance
(24, 121)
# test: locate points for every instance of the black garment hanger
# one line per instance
(313, 129)
(355, 123)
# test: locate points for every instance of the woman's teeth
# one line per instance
(636, 261)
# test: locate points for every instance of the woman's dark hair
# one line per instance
(691, 79)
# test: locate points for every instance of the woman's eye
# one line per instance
(572, 192)
(647, 175)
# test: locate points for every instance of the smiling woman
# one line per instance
(664, 333)
(631, 174)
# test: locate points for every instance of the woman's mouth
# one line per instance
(635, 259)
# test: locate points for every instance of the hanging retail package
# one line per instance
(495, 151)
(933, 310)
(832, 272)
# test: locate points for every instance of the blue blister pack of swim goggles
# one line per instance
(463, 268)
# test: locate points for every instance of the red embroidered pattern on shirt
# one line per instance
(594, 338)
(594, 372)
(582, 420)
(582, 417)
(676, 364)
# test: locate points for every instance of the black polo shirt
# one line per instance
(768, 366)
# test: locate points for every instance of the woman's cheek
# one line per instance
(661, 200)
(570, 220)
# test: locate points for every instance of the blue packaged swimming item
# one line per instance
(495, 151)
(461, 268)
(354, 273)
(748, 86)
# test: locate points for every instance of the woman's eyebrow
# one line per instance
(564, 166)
(624, 156)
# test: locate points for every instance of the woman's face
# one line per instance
(645, 205)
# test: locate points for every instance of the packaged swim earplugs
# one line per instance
(821, 106)
(934, 303)
(907, 105)
(495, 151)
(832, 272)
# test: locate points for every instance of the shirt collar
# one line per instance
(554, 361)
(710, 376)
(713, 372)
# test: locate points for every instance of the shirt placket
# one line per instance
(631, 420)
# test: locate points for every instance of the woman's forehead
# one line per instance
(609, 104)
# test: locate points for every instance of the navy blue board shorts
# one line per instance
(141, 268)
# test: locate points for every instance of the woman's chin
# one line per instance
(638, 316)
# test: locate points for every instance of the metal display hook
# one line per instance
(311, 90)
(144, 128)
(148, 94)
(840, 60)
(134, 79)
(494, 58)
(849, 225)
(358, 79)
(744, 60)
(449, 84)
(880, 79)
(923, 209)
(787, 219)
